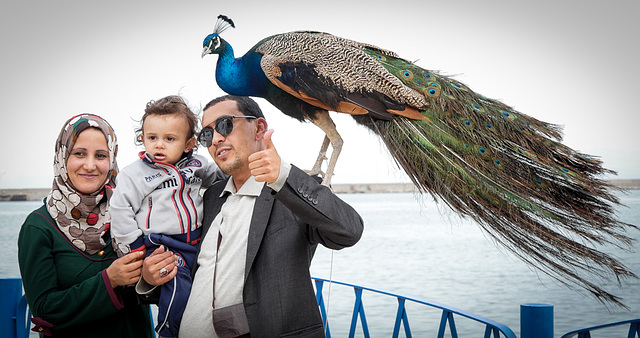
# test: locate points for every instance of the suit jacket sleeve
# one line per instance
(328, 220)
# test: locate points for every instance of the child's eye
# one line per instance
(152, 138)
(170, 138)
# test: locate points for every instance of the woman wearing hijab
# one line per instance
(70, 272)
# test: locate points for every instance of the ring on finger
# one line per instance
(164, 272)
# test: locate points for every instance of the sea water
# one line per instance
(414, 247)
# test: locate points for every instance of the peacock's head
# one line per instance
(213, 42)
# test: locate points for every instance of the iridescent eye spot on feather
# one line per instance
(488, 126)
(510, 116)
(407, 75)
(482, 150)
(381, 57)
(478, 108)
(427, 75)
(467, 122)
(458, 86)
(433, 92)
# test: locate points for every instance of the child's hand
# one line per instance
(126, 269)
(155, 262)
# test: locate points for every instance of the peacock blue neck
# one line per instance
(242, 76)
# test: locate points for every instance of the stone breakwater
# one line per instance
(358, 188)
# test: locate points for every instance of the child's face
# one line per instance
(165, 137)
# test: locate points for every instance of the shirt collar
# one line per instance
(249, 188)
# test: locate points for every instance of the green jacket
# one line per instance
(68, 292)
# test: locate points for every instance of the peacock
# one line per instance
(508, 171)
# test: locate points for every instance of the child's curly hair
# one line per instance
(169, 105)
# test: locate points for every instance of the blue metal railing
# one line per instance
(634, 329)
(402, 318)
(15, 314)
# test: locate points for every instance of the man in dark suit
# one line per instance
(260, 231)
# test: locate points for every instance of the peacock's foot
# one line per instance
(315, 172)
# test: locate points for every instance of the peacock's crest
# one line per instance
(222, 24)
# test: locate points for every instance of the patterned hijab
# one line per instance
(83, 218)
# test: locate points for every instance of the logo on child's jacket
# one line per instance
(194, 163)
(179, 259)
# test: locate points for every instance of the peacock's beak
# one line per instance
(205, 51)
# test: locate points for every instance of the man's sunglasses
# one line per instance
(224, 127)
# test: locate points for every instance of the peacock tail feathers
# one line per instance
(510, 173)
(545, 216)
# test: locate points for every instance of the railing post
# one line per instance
(536, 320)
(9, 299)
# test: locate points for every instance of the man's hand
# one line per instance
(265, 164)
(157, 260)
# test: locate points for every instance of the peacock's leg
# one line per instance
(322, 156)
(324, 122)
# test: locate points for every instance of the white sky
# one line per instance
(567, 62)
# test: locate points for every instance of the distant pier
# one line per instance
(23, 194)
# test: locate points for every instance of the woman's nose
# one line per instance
(89, 163)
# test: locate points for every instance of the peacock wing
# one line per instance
(336, 74)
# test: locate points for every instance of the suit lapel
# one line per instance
(259, 220)
(212, 205)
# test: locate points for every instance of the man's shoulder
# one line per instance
(215, 190)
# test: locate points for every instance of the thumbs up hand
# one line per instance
(265, 164)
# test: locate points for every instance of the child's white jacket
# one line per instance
(157, 197)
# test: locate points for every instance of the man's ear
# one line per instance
(261, 128)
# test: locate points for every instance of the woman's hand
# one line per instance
(126, 269)
(155, 262)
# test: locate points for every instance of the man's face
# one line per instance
(231, 152)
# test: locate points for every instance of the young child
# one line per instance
(157, 200)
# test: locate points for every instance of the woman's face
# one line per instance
(88, 162)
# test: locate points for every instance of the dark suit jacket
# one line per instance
(285, 229)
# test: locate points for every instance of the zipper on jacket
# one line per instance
(149, 212)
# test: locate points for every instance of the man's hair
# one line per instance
(246, 105)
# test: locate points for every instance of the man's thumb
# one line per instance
(267, 139)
